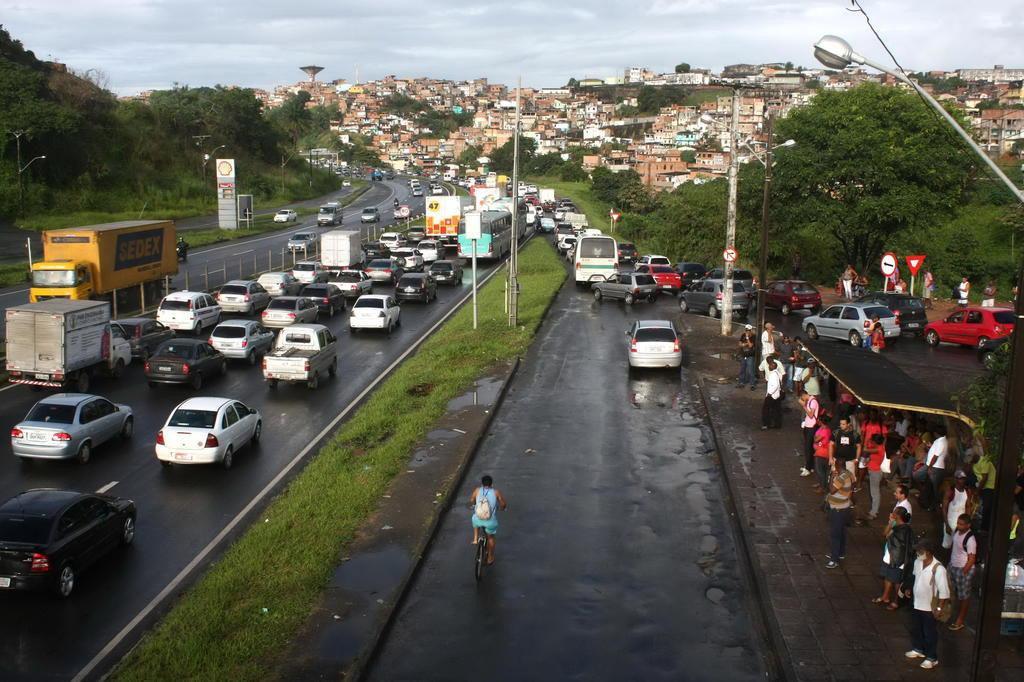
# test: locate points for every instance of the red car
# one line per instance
(666, 277)
(971, 326)
(792, 294)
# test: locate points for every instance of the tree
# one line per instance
(469, 156)
(789, 66)
(573, 83)
(683, 68)
(501, 158)
(869, 164)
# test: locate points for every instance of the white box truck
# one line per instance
(341, 250)
(61, 343)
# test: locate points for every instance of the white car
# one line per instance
(310, 271)
(408, 258)
(375, 311)
(354, 283)
(346, 183)
(302, 241)
(653, 343)
(207, 431)
(652, 259)
(392, 240)
(286, 215)
(242, 296)
(190, 311)
(279, 283)
(437, 190)
(430, 250)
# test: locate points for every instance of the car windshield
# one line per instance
(441, 267)
(742, 274)
(193, 419)
(803, 288)
(305, 267)
(349, 277)
(426, 246)
(53, 278)
(281, 304)
(175, 305)
(408, 281)
(51, 413)
(285, 212)
(130, 328)
(380, 265)
(234, 289)
(655, 334)
(644, 280)
(229, 331)
(908, 303)
(389, 236)
(1004, 317)
(878, 310)
(369, 211)
(302, 236)
(369, 303)
(28, 529)
(665, 269)
(597, 248)
(176, 349)
(325, 210)
(626, 246)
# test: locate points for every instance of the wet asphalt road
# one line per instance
(183, 508)
(615, 558)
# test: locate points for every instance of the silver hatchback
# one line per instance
(70, 426)
(653, 343)
(242, 340)
(243, 296)
(850, 322)
(285, 311)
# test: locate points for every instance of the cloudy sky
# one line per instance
(143, 44)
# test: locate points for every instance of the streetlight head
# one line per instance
(43, 156)
(834, 52)
(788, 143)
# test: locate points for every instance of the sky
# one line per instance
(153, 44)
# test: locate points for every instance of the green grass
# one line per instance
(12, 274)
(235, 623)
(581, 195)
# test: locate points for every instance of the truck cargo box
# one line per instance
(341, 249)
(58, 336)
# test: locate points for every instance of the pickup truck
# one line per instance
(629, 286)
(301, 354)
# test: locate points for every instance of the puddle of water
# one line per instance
(443, 434)
(714, 595)
(708, 544)
(485, 392)
(420, 457)
(373, 572)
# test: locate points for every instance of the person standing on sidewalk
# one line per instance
(875, 449)
(768, 340)
(959, 500)
(839, 509)
(962, 560)
(771, 409)
(849, 274)
(928, 289)
(845, 446)
(785, 351)
(985, 472)
(808, 427)
(897, 558)
(809, 379)
(747, 375)
(822, 446)
(930, 582)
(963, 292)
(902, 497)
(988, 295)
(934, 471)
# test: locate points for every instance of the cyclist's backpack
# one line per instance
(483, 507)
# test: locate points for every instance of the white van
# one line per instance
(596, 258)
(190, 311)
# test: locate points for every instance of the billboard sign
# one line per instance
(443, 214)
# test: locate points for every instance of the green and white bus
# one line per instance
(596, 258)
(495, 234)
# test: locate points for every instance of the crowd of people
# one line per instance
(854, 451)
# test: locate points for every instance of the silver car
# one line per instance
(70, 426)
(850, 322)
(242, 339)
(243, 296)
(303, 241)
(279, 283)
(708, 296)
(284, 311)
(354, 283)
(653, 343)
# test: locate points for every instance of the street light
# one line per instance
(836, 53)
(206, 158)
(21, 186)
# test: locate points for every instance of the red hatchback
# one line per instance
(971, 326)
(791, 294)
(666, 277)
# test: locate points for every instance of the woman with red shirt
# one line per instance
(875, 449)
(822, 465)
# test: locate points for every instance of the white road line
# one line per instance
(267, 489)
(106, 487)
(15, 291)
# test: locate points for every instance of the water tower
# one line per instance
(312, 71)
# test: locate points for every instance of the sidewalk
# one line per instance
(830, 628)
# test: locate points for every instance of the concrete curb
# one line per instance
(776, 658)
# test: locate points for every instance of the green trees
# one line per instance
(683, 68)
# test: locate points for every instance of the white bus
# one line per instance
(596, 258)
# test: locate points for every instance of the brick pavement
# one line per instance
(830, 628)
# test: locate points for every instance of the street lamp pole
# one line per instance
(836, 53)
(513, 259)
(730, 219)
(762, 273)
(21, 191)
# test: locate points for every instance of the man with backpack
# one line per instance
(962, 567)
(486, 500)
(930, 604)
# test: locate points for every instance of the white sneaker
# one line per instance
(804, 472)
(914, 653)
(928, 664)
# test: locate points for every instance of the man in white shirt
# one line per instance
(768, 340)
(929, 580)
(934, 470)
(771, 409)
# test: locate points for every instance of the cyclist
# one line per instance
(486, 500)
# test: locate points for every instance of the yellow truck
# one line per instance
(96, 260)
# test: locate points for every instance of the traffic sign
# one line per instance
(889, 263)
(915, 263)
(615, 216)
(730, 254)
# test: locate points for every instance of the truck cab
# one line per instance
(61, 279)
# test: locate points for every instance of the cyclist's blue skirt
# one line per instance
(490, 526)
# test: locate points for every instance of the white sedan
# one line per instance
(375, 311)
(430, 250)
(207, 431)
(286, 215)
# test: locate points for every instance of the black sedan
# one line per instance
(374, 250)
(184, 361)
(447, 271)
(328, 298)
(416, 286)
(144, 334)
(47, 536)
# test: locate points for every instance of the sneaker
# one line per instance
(842, 557)
(914, 653)
(805, 472)
(928, 663)
(831, 564)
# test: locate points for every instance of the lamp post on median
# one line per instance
(836, 53)
(21, 185)
(206, 159)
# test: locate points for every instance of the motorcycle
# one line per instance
(182, 251)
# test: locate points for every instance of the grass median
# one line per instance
(236, 621)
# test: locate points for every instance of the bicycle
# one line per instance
(481, 555)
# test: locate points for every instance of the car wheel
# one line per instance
(82, 382)
(196, 328)
(229, 458)
(151, 384)
(629, 299)
(982, 340)
(251, 310)
(931, 337)
(855, 339)
(65, 584)
(196, 382)
(785, 309)
(271, 383)
(128, 531)
(683, 305)
(84, 453)
(144, 354)
(713, 311)
(330, 311)
(812, 332)
(988, 361)
(128, 428)
(251, 358)
(352, 330)
(652, 298)
(333, 369)
(597, 294)
(391, 328)
(118, 369)
(257, 433)
(223, 367)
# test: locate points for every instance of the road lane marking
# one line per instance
(105, 488)
(267, 489)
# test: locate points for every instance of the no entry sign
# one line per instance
(730, 255)
(889, 263)
(915, 263)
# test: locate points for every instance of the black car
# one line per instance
(144, 334)
(416, 286)
(990, 348)
(184, 361)
(328, 297)
(690, 272)
(628, 252)
(414, 235)
(448, 271)
(374, 250)
(910, 312)
(48, 536)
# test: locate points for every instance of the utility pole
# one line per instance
(513, 259)
(17, 144)
(200, 141)
(730, 221)
(762, 275)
